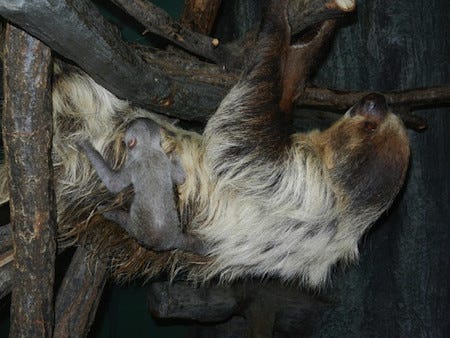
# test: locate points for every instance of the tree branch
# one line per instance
(339, 99)
(79, 295)
(200, 15)
(264, 304)
(68, 27)
(181, 88)
(157, 21)
(27, 139)
(302, 14)
(403, 101)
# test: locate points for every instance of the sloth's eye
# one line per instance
(370, 126)
(132, 143)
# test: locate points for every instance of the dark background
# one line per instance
(400, 288)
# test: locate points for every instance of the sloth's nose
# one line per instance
(373, 106)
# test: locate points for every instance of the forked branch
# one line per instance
(302, 14)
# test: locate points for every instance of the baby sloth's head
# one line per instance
(142, 134)
(366, 154)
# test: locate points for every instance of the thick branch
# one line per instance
(27, 138)
(79, 295)
(265, 305)
(76, 30)
(200, 15)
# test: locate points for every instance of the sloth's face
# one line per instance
(367, 152)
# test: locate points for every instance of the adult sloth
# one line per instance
(264, 201)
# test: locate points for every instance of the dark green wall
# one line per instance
(401, 286)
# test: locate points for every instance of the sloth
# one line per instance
(264, 201)
(152, 219)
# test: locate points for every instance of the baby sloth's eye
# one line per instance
(370, 126)
(132, 143)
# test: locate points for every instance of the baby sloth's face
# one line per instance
(367, 153)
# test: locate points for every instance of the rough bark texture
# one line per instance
(200, 15)
(27, 137)
(79, 295)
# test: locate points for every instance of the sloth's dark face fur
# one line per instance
(367, 153)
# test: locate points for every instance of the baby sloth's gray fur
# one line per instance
(153, 218)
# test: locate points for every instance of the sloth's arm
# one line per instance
(115, 181)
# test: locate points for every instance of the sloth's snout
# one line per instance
(372, 106)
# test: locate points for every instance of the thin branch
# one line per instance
(200, 15)
(339, 99)
(27, 138)
(402, 101)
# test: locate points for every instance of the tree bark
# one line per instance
(27, 138)
(200, 15)
(79, 295)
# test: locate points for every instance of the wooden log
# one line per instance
(181, 300)
(27, 138)
(79, 295)
(266, 306)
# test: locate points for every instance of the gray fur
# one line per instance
(153, 218)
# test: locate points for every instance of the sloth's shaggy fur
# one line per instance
(265, 202)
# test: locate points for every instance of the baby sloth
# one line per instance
(153, 218)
